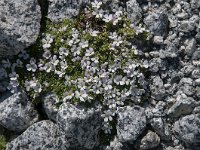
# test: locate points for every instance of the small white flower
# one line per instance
(96, 4)
(94, 33)
(47, 54)
(32, 66)
(108, 18)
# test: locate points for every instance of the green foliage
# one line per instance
(2, 142)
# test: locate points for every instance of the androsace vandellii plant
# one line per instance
(84, 60)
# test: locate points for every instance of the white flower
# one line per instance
(47, 41)
(108, 18)
(13, 82)
(94, 33)
(63, 51)
(54, 60)
(89, 52)
(84, 44)
(96, 4)
(32, 66)
(98, 13)
(47, 54)
(33, 84)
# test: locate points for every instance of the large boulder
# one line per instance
(131, 123)
(19, 25)
(16, 112)
(80, 127)
(40, 136)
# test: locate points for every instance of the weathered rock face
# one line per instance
(19, 25)
(149, 141)
(49, 105)
(157, 22)
(188, 129)
(183, 106)
(80, 127)
(134, 11)
(131, 123)
(60, 9)
(42, 135)
(16, 112)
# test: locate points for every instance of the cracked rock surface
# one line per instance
(19, 25)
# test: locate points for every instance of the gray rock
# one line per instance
(157, 88)
(19, 25)
(131, 123)
(16, 112)
(161, 128)
(158, 23)
(40, 136)
(117, 145)
(195, 4)
(183, 106)
(80, 126)
(186, 26)
(134, 11)
(190, 46)
(187, 129)
(49, 104)
(158, 40)
(60, 9)
(196, 55)
(149, 141)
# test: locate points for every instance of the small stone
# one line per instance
(197, 82)
(41, 135)
(161, 128)
(79, 126)
(186, 26)
(131, 123)
(190, 46)
(196, 55)
(134, 11)
(49, 104)
(16, 112)
(158, 23)
(187, 129)
(60, 9)
(182, 106)
(158, 40)
(182, 15)
(150, 140)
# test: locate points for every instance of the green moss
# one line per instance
(2, 142)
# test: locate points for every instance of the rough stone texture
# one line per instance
(158, 23)
(49, 105)
(161, 128)
(16, 111)
(60, 9)
(79, 126)
(149, 141)
(134, 11)
(183, 106)
(187, 129)
(40, 136)
(131, 123)
(19, 25)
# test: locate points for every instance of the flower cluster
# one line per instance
(86, 60)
